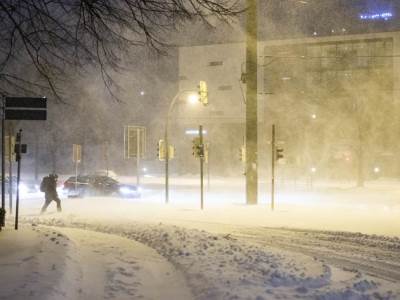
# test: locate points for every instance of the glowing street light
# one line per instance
(313, 116)
(193, 99)
(377, 170)
(313, 169)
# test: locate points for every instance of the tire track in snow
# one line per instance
(372, 255)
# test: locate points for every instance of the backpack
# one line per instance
(44, 184)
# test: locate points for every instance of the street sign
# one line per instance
(134, 141)
(76, 153)
(25, 108)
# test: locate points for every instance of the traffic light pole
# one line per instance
(18, 156)
(203, 94)
(273, 168)
(201, 167)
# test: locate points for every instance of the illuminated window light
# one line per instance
(378, 16)
(194, 132)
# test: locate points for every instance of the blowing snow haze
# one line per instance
(291, 191)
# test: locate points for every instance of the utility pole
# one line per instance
(251, 103)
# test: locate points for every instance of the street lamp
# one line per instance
(193, 98)
(202, 97)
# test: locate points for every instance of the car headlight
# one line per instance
(126, 190)
(23, 189)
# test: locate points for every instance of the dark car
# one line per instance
(94, 185)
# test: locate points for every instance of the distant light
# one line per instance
(286, 78)
(141, 93)
(377, 16)
(193, 98)
(144, 169)
(313, 169)
(194, 132)
(315, 33)
(377, 170)
(314, 116)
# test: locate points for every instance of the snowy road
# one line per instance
(374, 255)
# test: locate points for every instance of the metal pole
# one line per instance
(18, 141)
(208, 168)
(10, 157)
(3, 148)
(201, 167)
(166, 162)
(273, 168)
(76, 174)
(167, 144)
(36, 157)
(137, 157)
(251, 103)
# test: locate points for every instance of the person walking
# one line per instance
(49, 187)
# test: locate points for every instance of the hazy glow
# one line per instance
(193, 98)
(194, 132)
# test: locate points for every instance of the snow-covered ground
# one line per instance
(331, 242)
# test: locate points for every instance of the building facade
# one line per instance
(333, 99)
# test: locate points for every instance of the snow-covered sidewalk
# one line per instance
(62, 263)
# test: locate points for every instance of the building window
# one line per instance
(225, 88)
(215, 63)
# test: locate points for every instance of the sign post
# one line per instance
(18, 108)
(135, 146)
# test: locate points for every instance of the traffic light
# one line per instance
(171, 152)
(197, 148)
(242, 153)
(203, 93)
(161, 150)
(279, 153)
(206, 150)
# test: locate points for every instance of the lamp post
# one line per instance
(203, 98)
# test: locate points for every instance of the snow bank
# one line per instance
(222, 267)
